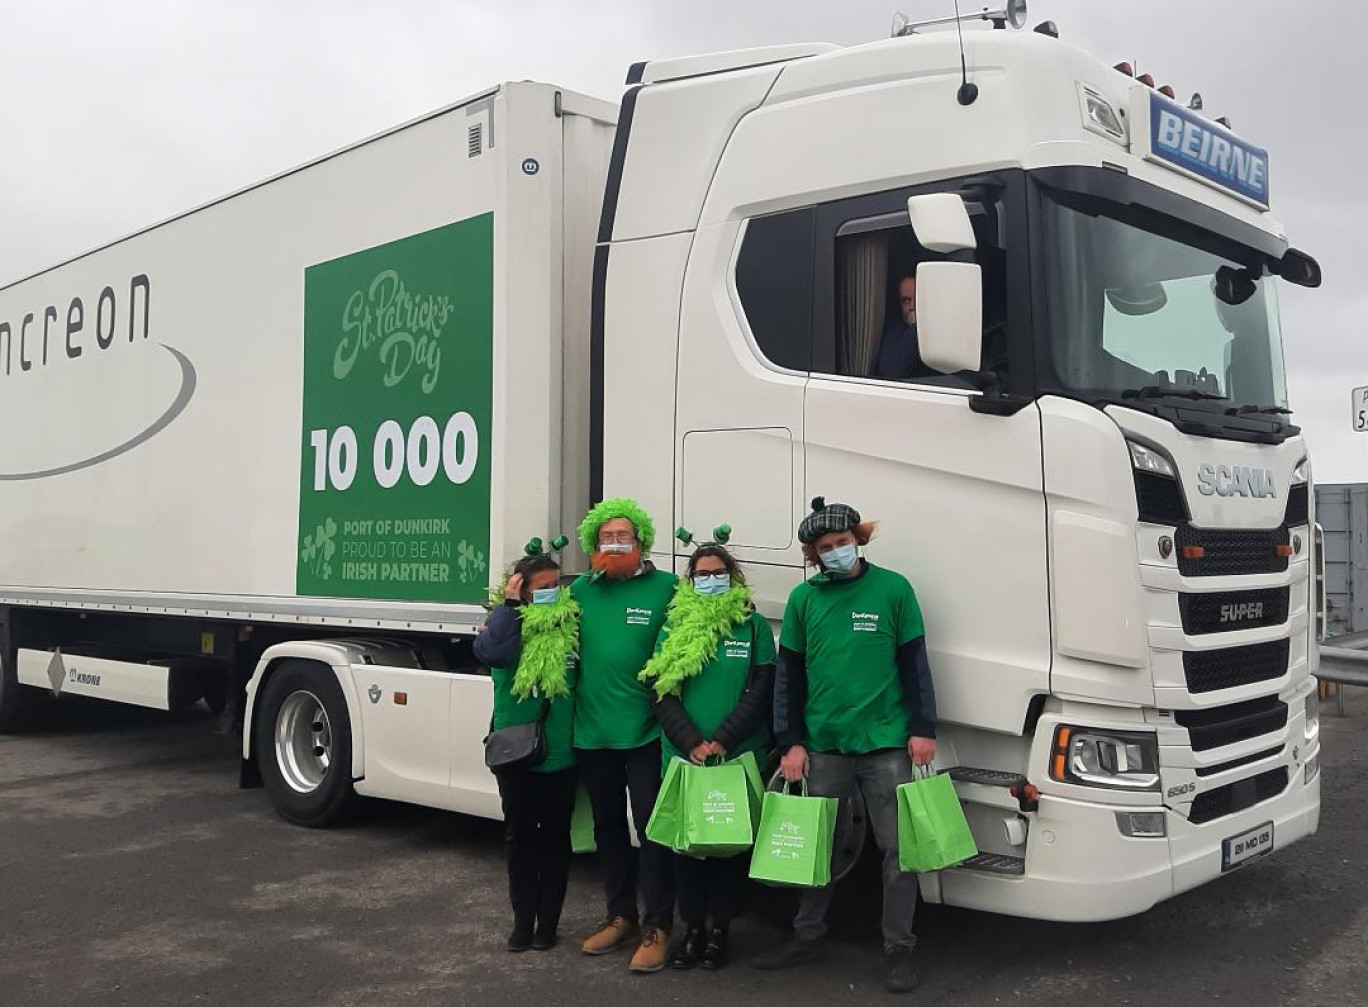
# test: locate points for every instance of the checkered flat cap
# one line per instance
(825, 519)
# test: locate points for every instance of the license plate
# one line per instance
(1239, 850)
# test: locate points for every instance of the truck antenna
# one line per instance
(968, 93)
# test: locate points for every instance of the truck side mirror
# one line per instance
(950, 315)
(949, 294)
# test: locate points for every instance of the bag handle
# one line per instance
(545, 712)
(922, 772)
(784, 785)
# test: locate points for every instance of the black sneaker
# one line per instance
(689, 951)
(521, 937)
(716, 955)
(544, 939)
(791, 953)
(901, 974)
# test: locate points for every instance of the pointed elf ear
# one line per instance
(722, 534)
(533, 547)
(684, 535)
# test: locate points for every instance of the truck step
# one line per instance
(983, 777)
(995, 863)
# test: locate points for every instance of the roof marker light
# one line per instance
(1167, 92)
(1146, 79)
(1225, 121)
(1125, 68)
(1195, 103)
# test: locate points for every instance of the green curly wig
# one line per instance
(550, 634)
(614, 507)
(694, 625)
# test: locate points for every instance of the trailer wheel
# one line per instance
(303, 745)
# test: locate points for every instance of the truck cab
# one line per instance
(1085, 464)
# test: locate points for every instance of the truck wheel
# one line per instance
(303, 745)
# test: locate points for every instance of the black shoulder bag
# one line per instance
(521, 746)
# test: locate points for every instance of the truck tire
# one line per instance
(303, 745)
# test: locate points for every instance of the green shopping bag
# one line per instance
(932, 832)
(793, 845)
(714, 810)
(582, 824)
(663, 825)
(755, 786)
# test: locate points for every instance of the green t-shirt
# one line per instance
(509, 710)
(619, 623)
(850, 632)
(711, 695)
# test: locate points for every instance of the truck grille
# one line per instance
(1225, 611)
(1226, 725)
(1236, 797)
(1230, 552)
(1210, 670)
(1159, 499)
(1226, 767)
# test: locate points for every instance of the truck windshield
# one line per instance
(1140, 310)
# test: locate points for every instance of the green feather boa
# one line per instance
(694, 625)
(550, 634)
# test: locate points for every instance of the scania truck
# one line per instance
(294, 437)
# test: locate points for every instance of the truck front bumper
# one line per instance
(1080, 868)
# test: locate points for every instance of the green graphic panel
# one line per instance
(394, 473)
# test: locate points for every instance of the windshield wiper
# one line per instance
(1155, 392)
(1245, 410)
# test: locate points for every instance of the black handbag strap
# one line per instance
(545, 712)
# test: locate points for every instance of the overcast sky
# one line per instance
(117, 114)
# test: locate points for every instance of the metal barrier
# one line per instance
(1343, 666)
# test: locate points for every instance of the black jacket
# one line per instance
(751, 712)
(500, 645)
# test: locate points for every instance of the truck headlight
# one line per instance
(1148, 460)
(1118, 760)
(1312, 725)
(1302, 473)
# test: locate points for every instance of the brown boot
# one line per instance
(653, 950)
(615, 932)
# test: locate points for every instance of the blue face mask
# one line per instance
(842, 559)
(545, 595)
(618, 547)
(712, 585)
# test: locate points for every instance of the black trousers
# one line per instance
(612, 777)
(709, 891)
(537, 808)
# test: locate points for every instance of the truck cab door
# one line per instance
(958, 493)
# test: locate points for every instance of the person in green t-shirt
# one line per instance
(617, 741)
(854, 706)
(529, 644)
(713, 675)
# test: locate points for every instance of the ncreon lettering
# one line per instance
(41, 337)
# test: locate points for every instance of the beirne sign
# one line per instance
(394, 471)
(1185, 140)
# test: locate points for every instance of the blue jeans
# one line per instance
(878, 776)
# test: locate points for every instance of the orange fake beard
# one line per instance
(617, 565)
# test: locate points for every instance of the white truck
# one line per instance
(295, 436)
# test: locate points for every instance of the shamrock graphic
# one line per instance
(318, 549)
(470, 561)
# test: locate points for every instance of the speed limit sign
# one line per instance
(1361, 408)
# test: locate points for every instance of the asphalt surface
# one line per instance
(133, 871)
